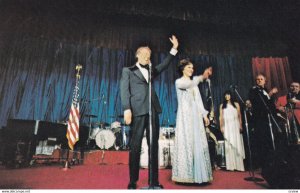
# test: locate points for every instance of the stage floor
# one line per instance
(108, 172)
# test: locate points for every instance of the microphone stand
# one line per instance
(252, 175)
(88, 102)
(269, 119)
(295, 127)
(150, 175)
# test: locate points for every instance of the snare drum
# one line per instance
(122, 138)
(115, 126)
(105, 139)
(94, 132)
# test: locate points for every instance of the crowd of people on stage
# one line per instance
(191, 159)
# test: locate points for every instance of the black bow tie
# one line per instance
(145, 66)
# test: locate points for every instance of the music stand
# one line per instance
(252, 174)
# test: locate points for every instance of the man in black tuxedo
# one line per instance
(134, 89)
(263, 103)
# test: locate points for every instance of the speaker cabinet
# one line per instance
(19, 142)
(282, 169)
(21, 137)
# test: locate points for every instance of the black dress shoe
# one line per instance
(158, 185)
(131, 185)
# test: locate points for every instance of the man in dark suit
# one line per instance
(263, 105)
(134, 89)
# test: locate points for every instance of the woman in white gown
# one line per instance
(190, 160)
(231, 127)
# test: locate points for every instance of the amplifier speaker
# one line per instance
(282, 168)
(18, 142)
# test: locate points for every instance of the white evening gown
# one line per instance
(234, 145)
(190, 160)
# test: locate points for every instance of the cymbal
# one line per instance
(116, 116)
(90, 115)
(101, 123)
(164, 125)
(62, 122)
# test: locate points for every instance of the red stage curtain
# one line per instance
(277, 71)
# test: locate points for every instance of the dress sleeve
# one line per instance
(204, 112)
(186, 84)
(197, 79)
(199, 101)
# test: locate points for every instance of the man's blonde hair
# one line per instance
(141, 48)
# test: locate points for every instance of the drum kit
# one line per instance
(105, 136)
(165, 151)
(115, 136)
(167, 132)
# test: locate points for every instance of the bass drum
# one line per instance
(165, 151)
(167, 132)
(105, 139)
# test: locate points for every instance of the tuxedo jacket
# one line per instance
(134, 89)
(258, 97)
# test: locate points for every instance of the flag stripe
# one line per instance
(73, 126)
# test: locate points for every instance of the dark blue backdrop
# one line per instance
(38, 78)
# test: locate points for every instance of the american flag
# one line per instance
(73, 122)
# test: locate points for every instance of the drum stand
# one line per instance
(102, 157)
(90, 130)
(124, 140)
(252, 174)
(103, 151)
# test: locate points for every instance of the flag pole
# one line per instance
(67, 165)
(73, 122)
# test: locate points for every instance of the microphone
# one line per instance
(104, 101)
(208, 81)
(233, 86)
(289, 95)
(150, 66)
(84, 100)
